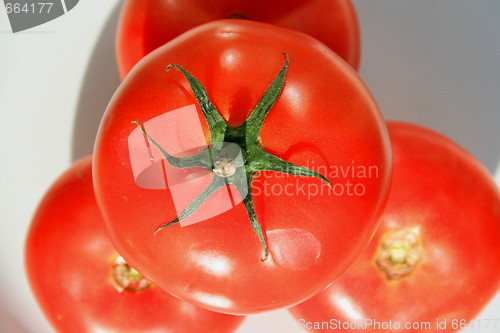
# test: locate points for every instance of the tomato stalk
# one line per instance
(227, 145)
(399, 253)
(126, 278)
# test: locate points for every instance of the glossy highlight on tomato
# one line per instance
(435, 260)
(148, 24)
(324, 119)
(81, 283)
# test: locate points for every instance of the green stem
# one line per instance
(245, 138)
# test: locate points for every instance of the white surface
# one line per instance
(436, 63)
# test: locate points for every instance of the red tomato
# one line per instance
(79, 280)
(148, 24)
(324, 119)
(435, 261)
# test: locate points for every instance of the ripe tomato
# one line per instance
(435, 261)
(324, 119)
(83, 285)
(148, 24)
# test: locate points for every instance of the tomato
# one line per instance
(435, 261)
(315, 115)
(148, 24)
(81, 283)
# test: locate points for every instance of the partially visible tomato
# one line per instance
(81, 283)
(147, 24)
(322, 117)
(435, 261)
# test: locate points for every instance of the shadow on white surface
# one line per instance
(437, 64)
(9, 324)
(98, 86)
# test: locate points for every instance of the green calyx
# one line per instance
(233, 155)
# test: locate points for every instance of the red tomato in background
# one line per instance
(436, 255)
(324, 118)
(69, 261)
(148, 24)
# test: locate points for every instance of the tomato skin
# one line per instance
(148, 24)
(312, 122)
(445, 191)
(69, 261)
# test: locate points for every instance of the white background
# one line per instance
(436, 63)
